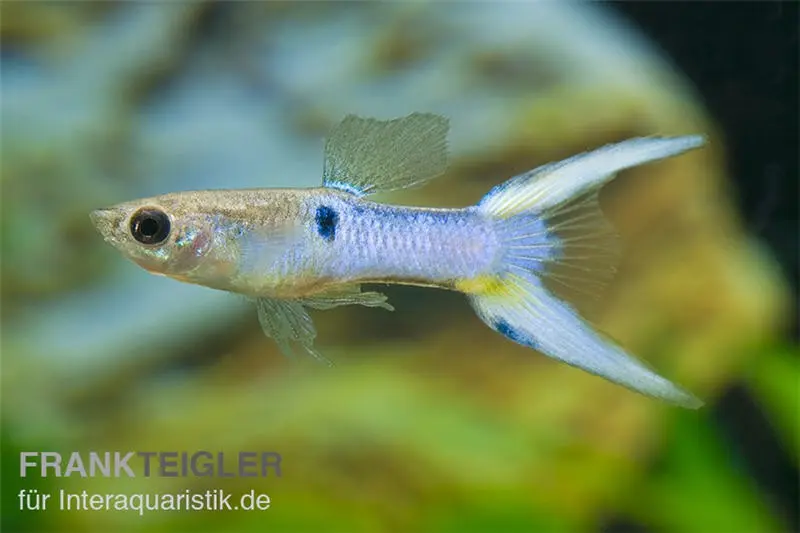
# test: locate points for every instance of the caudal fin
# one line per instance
(552, 234)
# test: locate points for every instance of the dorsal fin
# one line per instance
(366, 155)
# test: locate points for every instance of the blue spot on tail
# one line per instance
(327, 219)
(514, 334)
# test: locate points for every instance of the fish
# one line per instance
(294, 249)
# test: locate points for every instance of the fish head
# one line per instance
(165, 235)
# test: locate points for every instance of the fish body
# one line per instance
(291, 249)
(358, 241)
(295, 243)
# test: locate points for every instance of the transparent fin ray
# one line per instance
(571, 247)
(589, 250)
(287, 322)
(366, 155)
(347, 295)
(528, 314)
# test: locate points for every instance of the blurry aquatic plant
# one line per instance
(430, 421)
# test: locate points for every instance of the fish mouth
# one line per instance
(99, 215)
(105, 221)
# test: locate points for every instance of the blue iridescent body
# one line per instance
(378, 242)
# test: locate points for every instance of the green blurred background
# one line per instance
(430, 421)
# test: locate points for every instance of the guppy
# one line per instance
(293, 249)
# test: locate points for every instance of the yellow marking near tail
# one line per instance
(510, 289)
(485, 285)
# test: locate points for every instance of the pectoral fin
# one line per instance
(287, 322)
(262, 248)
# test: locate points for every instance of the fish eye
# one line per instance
(150, 226)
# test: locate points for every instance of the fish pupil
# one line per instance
(150, 226)
(327, 219)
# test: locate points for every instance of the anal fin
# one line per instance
(347, 295)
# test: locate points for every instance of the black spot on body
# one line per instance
(517, 336)
(327, 218)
